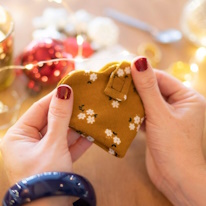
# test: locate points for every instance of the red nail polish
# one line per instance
(141, 64)
(63, 92)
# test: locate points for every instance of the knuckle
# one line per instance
(148, 83)
(58, 112)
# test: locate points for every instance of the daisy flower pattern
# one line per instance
(115, 104)
(131, 126)
(90, 112)
(108, 132)
(137, 119)
(135, 123)
(111, 151)
(89, 115)
(93, 77)
(90, 120)
(120, 72)
(91, 139)
(81, 116)
(127, 70)
(116, 140)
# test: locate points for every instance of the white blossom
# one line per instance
(115, 104)
(90, 120)
(90, 112)
(91, 139)
(108, 132)
(120, 72)
(138, 127)
(93, 77)
(111, 151)
(137, 119)
(131, 126)
(81, 116)
(127, 70)
(116, 140)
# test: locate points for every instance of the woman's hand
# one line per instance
(174, 127)
(41, 141)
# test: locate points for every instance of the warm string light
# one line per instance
(80, 41)
(38, 64)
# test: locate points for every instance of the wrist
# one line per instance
(51, 184)
(52, 201)
(188, 188)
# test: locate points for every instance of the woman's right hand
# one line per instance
(174, 127)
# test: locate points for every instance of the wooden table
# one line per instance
(118, 182)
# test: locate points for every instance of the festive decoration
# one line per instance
(185, 72)
(47, 73)
(82, 48)
(61, 24)
(151, 51)
(103, 32)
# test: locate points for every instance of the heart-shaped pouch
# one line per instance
(107, 108)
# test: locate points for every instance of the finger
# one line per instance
(146, 84)
(72, 137)
(170, 87)
(60, 111)
(79, 148)
(36, 115)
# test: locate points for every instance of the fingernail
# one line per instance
(63, 92)
(141, 64)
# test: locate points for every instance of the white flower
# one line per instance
(90, 138)
(111, 151)
(116, 140)
(90, 112)
(125, 97)
(142, 120)
(108, 132)
(127, 70)
(81, 116)
(115, 104)
(93, 77)
(137, 120)
(90, 120)
(138, 127)
(120, 72)
(131, 126)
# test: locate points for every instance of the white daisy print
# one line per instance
(90, 120)
(125, 97)
(93, 77)
(137, 119)
(142, 119)
(115, 104)
(108, 132)
(90, 112)
(120, 72)
(81, 116)
(127, 70)
(90, 138)
(138, 127)
(111, 151)
(116, 140)
(131, 126)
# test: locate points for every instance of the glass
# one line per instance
(193, 22)
(6, 47)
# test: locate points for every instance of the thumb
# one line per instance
(146, 84)
(60, 111)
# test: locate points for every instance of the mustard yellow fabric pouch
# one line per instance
(107, 108)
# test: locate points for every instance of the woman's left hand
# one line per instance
(41, 140)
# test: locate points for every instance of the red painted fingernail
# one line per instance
(141, 64)
(63, 92)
